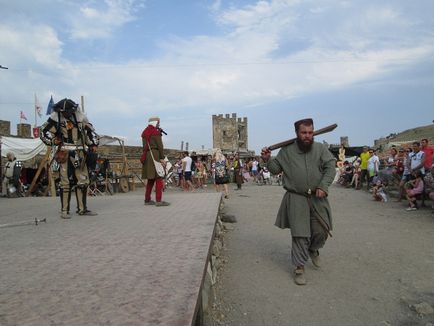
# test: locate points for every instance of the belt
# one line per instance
(71, 147)
(308, 194)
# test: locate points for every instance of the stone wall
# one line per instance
(132, 153)
(213, 268)
(344, 141)
(5, 128)
(24, 130)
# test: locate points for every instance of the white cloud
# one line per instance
(262, 17)
(200, 75)
(94, 23)
(216, 5)
(236, 69)
(35, 44)
(381, 16)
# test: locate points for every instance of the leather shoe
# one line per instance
(314, 256)
(87, 213)
(162, 203)
(65, 215)
(299, 278)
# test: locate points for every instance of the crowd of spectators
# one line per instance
(192, 172)
(408, 170)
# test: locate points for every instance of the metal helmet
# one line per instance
(65, 105)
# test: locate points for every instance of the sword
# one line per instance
(320, 219)
(308, 194)
(36, 221)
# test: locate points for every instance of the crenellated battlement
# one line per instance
(230, 132)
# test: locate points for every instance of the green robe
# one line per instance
(148, 169)
(301, 172)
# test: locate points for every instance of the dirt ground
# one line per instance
(378, 269)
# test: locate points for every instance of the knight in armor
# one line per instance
(69, 130)
(11, 182)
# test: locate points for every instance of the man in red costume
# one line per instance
(152, 142)
(429, 151)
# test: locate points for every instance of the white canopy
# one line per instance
(204, 152)
(105, 139)
(23, 148)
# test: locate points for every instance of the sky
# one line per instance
(365, 65)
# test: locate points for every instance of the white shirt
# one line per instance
(416, 160)
(178, 166)
(187, 161)
(9, 169)
(255, 165)
(373, 163)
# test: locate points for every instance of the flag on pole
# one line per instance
(38, 108)
(50, 106)
(36, 132)
(22, 116)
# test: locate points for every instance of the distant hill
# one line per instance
(416, 133)
(402, 139)
(408, 136)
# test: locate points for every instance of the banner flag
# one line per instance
(36, 132)
(22, 116)
(50, 106)
(38, 107)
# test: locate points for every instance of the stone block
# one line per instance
(5, 128)
(24, 130)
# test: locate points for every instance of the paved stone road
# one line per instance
(130, 265)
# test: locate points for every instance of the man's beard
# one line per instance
(304, 146)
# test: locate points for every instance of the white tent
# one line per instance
(105, 140)
(23, 148)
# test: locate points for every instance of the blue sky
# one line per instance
(366, 65)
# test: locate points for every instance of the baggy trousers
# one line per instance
(5, 185)
(302, 247)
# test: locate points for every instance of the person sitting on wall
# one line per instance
(414, 188)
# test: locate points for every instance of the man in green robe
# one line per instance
(308, 170)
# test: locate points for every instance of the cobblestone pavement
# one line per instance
(130, 265)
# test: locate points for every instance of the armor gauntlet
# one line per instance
(47, 135)
(91, 136)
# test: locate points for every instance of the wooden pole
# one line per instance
(36, 119)
(51, 183)
(124, 158)
(38, 172)
(82, 103)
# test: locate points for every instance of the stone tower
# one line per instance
(229, 133)
(24, 130)
(344, 141)
(5, 128)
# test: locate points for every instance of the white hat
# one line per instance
(153, 119)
